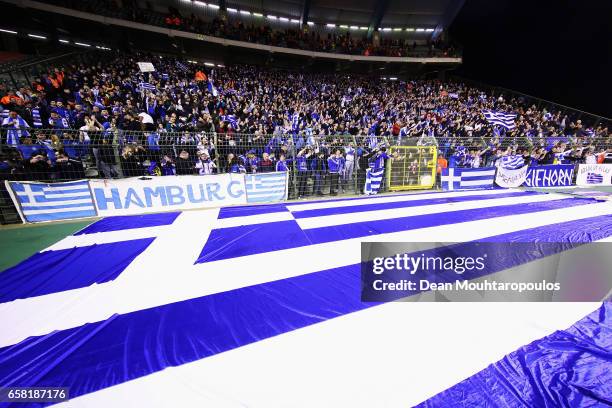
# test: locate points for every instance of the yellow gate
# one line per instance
(411, 167)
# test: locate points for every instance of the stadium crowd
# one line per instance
(326, 128)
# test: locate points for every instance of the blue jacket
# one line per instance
(302, 165)
(334, 164)
(281, 165)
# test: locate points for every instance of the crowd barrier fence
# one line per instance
(53, 156)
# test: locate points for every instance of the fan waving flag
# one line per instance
(373, 180)
(513, 162)
(464, 179)
(38, 202)
(146, 86)
(211, 87)
(231, 119)
(503, 119)
(181, 66)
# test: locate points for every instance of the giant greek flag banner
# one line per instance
(259, 305)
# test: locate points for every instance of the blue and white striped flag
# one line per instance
(373, 181)
(515, 161)
(146, 85)
(268, 297)
(594, 178)
(295, 121)
(266, 187)
(231, 119)
(457, 178)
(36, 119)
(181, 66)
(16, 129)
(503, 119)
(211, 87)
(38, 202)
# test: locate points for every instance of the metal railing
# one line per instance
(59, 155)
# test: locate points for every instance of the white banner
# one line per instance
(510, 178)
(137, 196)
(594, 174)
(146, 67)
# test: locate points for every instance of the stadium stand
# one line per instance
(235, 27)
(120, 121)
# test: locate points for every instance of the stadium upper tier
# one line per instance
(233, 29)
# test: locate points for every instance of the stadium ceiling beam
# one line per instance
(377, 16)
(222, 4)
(447, 18)
(305, 11)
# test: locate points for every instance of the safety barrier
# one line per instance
(38, 202)
(411, 167)
(315, 165)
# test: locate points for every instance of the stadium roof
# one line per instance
(374, 14)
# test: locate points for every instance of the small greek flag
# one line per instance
(505, 120)
(36, 119)
(147, 86)
(38, 202)
(266, 187)
(181, 66)
(515, 161)
(594, 178)
(231, 119)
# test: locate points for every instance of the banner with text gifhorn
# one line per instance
(137, 196)
(556, 175)
(594, 174)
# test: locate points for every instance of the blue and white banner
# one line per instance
(182, 302)
(594, 174)
(515, 161)
(559, 175)
(266, 187)
(510, 178)
(373, 180)
(37, 202)
(457, 178)
(505, 120)
(136, 196)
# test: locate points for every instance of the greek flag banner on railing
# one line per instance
(457, 178)
(266, 187)
(37, 202)
(137, 196)
(510, 178)
(594, 174)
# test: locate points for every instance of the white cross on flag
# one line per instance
(455, 178)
